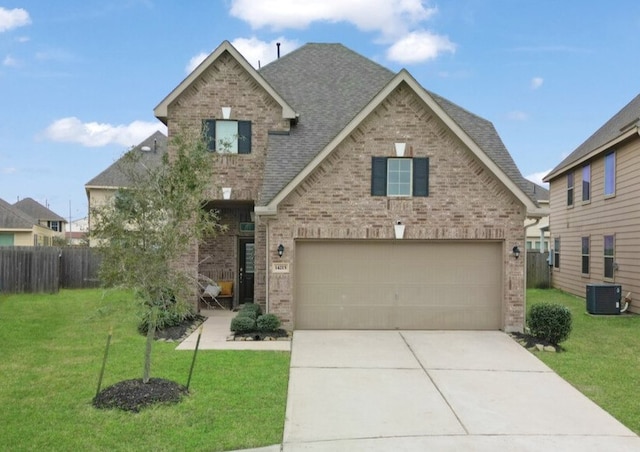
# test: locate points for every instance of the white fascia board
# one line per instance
(599, 150)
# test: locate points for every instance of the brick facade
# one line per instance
(466, 202)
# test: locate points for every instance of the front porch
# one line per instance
(228, 259)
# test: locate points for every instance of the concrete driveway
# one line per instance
(435, 390)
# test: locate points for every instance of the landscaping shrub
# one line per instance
(252, 307)
(243, 324)
(171, 314)
(268, 323)
(550, 322)
(247, 313)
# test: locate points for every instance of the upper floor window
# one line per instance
(609, 256)
(586, 182)
(569, 189)
(399, 176)
(54, 225)
(610, 174)
(225, 136)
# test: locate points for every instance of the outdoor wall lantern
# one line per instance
(516, 251)
(280, 250)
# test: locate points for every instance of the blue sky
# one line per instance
(79, 78)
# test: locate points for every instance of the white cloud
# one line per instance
(537, 178)
(195, 61)
(389, 17)
(254, 51)
(399, 23)
(94, 134)
(9, 61)
(419, 46)
(8, 170)
(13, 18)
(517, 115)
(536, 82)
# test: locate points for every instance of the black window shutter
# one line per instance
(421, 176)
(244, 137)
(209, 133)
(378, 176)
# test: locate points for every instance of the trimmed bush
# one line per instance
(252, 307)
(170, 314)
(247, 313)
(243, 324)
(550, 322)
(268, 322)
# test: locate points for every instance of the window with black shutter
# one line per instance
(399, 176)
(224, 136)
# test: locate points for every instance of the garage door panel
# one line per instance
(404, 285)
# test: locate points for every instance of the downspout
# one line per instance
(537, 220)
(266, 272)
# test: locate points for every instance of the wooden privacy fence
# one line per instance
(538, 271)
(47, 269)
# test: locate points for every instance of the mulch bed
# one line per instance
(529, 341)
(134, 395)
(260, 335)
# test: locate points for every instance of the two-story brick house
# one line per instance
(595, 213)
(354, 198)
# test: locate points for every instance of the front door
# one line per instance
(245, 280)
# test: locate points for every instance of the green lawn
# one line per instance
(52, 350)
(601, 357)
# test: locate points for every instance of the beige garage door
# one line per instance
(398, 284)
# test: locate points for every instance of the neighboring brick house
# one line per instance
(18, 228)
(595, 213)
(103, 187)
(316, 193)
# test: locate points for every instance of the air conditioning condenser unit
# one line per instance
(604, 298)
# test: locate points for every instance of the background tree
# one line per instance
(150, 224)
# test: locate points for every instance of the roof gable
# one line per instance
(34, 209)
(151, 151)
(478, 134)
(13, 218)
(161, 111)
(622, 125)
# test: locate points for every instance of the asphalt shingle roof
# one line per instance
(620, 123)
(36, 210)
(14, 218)
(113, 176)
(328, 85)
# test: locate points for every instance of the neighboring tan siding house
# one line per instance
(538, 236)
(595, 209)
(101, 189)
(317, 193)
(17, 228)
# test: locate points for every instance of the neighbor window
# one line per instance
(585, 255)
(570, 189)
(610, 174)
(556, 252)
(609, 254)
(586, 183)
(232, 137)
(399, 176)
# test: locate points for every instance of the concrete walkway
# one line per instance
(434, 390)
(215, 331)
